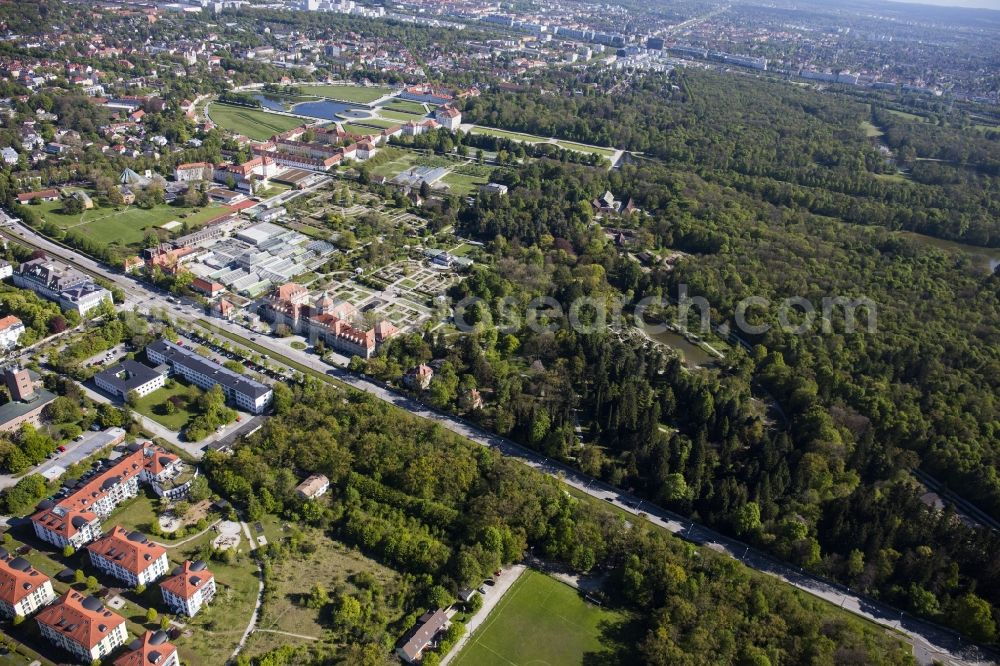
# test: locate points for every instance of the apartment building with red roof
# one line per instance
(129, 556)
(75, 519)
(23, 588)
(82, 626)
(189, 587)
(152, 649)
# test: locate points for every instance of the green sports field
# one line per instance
(539, 622)
(254, 123)
(129, 224)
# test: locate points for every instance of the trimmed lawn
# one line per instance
(359, 94)
(400, 116)
(405, 106)
(401, 163)
(503, 134)
(540, 621)
(461, 183)
(584, 148)
(254, 123)
(127, 226)
(152, 405)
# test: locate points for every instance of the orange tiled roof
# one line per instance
(187, 579)
(18, 579)
(130, 550)
(83, 619)
(8, 321)
(150, 650)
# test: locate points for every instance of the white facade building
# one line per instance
(129, 556)
(189, 587)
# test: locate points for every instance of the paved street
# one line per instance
(930, 641)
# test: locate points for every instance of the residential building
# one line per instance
(63, 526)
(422, 636)
(130, 376)
(152, 649)
(70, 288)
(419, 377)
(11, 330)
(75, 519)
(129, 556)
(189, 587)
(82, 626)
(23, 588)
(314, 486)
(271, 214)
(6, 269)
(9, 156)
(244, 392)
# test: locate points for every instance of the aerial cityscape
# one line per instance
(475, 333)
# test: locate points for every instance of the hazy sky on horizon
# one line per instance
(975, 4)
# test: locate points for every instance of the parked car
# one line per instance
(61, 449)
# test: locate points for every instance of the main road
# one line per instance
(930, 642)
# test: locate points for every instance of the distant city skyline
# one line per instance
(967, 4)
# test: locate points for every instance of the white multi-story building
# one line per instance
(448, 116)
(63, 526)
(82, 626)
(244, 392)
(11, 330)
(189, 587)
(129, 556)
(150, 650)
(194, 171)
(130, 376)
(76, 520)
(23, 589)
(67, 286)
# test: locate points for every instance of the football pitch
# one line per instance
(539, 622)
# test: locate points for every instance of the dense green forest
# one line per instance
(791, 146)
(825, 485)
(444, 512)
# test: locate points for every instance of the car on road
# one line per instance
(481, 589)
(61, 449)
